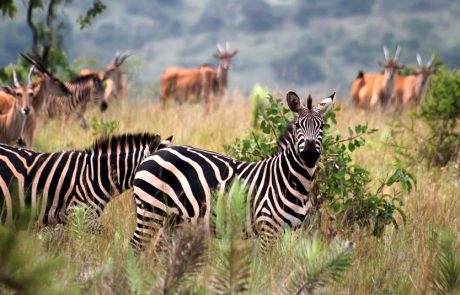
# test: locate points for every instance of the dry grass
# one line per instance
(398, 263)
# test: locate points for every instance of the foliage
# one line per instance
(24, 270)
(317, 265)
(103, 128)
(344, 185)
(446, 272)
(185, 257)
(97, 8)
(439, 110)
(8, 8)
(232, 268)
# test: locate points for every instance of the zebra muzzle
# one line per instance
(310, 154)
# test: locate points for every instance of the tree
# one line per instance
(46, 30)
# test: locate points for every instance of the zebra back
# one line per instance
(51, 183)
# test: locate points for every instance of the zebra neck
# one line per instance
(113, 171)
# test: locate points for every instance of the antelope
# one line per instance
(113, 76)
(181, 83)
(12, 123)
(38, 91)
(409, 88)
(375, 90)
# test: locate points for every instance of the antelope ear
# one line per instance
(293, 102)
(36, 88)
(7, 89)
(153, 146)
(216, 55)
(381, 63)
(325, 104)
(165, 143)
(235, 52)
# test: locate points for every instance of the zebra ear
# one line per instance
(325, 104)
(153, 146)
(165, 143)
(293, 102)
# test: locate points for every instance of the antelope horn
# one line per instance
(227, 46)
(36, 63)
(398, 51)
(29, 76)
(219, 48)
(123, 57)
(385, 53)
(419, 60)
(15, 78)
(428, 64)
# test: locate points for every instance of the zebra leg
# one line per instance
(83, 122)
(149, 224)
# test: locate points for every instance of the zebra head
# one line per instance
(308, 127)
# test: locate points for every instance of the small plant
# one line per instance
(232, 268)
(24, 269)
(317, 265)
(344, 185)
(103, 128)
(446, 272)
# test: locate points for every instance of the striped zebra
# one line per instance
(52, 183)
(178, 181)
(83, 89)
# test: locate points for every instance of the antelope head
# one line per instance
(391, 66)
(114, 66)
(423, 72)
(22, 93)
(225, 55)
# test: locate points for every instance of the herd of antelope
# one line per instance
(389, 89)
(22, 105)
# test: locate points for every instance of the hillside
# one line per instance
(311, 45)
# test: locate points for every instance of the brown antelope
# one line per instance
(375, 90)
(181, 84)
(38, 91)
(12, 123)
(82, 90)
(113, 76)
(408, 89)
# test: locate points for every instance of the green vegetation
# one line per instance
(345, 187)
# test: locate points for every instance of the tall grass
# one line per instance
(101, 262)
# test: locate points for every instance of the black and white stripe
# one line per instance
(84, 89)
(51, 183)
(179, 181)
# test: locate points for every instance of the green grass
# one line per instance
(89, 261)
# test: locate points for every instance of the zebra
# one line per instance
(53, 183)
(82, 90)
(178, 181)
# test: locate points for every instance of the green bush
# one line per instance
(344, 186)
(439, 111)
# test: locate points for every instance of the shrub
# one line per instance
(439, 111)
(103, 128)
(344, 186)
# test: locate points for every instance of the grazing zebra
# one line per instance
(178, 181)
(82, 90)
(51, 183)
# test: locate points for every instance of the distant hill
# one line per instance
(308, 45)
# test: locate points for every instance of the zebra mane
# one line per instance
(104, 142)
(284, 138)
(84, 79)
